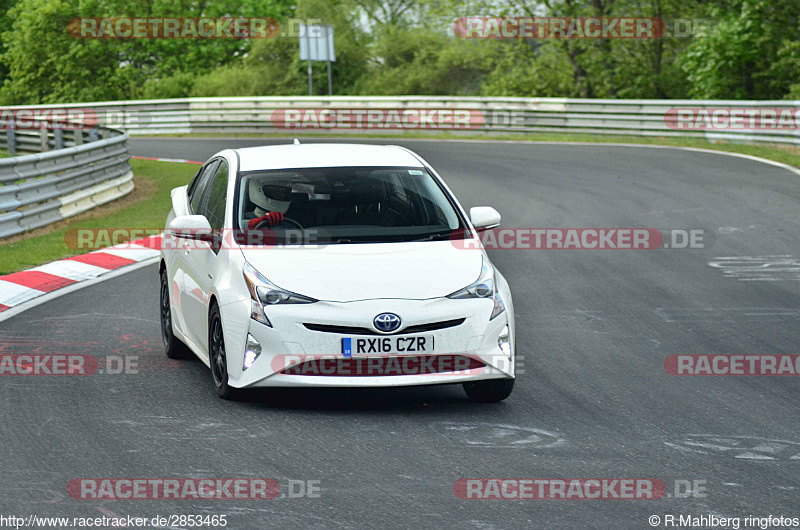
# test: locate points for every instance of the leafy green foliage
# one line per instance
(751, 52)
(748, 49)
(45, 64)
(520, 70)
(417, 61)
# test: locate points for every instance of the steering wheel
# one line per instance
(285, 220)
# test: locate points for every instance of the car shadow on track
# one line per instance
(423, 399)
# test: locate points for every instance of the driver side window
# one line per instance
(213, 206)
(198, 187)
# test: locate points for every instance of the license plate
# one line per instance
(399, 344)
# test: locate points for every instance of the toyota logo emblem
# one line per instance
(386, 322)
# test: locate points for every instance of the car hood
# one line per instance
(348, 272)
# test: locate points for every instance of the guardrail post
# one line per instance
(93, 134)
(58, 138)
(77, 136)
(12, 141)
(44, 146)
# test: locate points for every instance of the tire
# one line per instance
(489, 391)
(173, 347)
(217, 357)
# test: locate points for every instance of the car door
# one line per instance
(201, 257)
(177, 265)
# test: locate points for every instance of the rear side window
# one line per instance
(214, 205)
(198, 186)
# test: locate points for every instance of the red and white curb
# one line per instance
(18, 289)
(182, 160)
(25, 289)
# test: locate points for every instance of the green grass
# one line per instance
(779, 153)
(154, 181)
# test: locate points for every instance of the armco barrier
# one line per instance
(503, 114)
(39, 189)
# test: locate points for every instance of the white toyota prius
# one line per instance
(336, 265)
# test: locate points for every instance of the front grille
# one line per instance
(387, 366)
(355, 330)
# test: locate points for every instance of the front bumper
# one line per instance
(289, 343)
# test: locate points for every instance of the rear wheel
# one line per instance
(489, 391)
(173, 347)
(217, 357)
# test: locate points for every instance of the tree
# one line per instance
(750, 53)
(45, 64)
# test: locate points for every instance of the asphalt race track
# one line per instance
(595, 401)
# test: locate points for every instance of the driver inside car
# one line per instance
(271, 203)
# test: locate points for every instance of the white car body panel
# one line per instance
(324, 155)
(425, 269)
(353, 283)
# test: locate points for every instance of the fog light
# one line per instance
(251, 353)
(504, 341)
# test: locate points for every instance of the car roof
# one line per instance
(323, 155)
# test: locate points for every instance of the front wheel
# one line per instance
(173, 347)
(217, 357)
(489, 391)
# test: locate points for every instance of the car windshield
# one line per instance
(346, 205)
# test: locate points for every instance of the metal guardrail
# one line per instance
(507, 115)
(84, 169)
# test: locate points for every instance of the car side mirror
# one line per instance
(180, 200)
(484, 217)
(194, 227)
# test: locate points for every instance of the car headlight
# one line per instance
(264, 293)
(484, 287)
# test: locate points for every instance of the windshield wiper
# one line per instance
(388, 238)
(435, 236)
